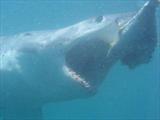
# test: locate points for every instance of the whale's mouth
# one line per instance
(85, 62)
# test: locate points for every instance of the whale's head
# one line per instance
(103, 40)
(88, 59)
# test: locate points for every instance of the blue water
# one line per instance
(125, 94)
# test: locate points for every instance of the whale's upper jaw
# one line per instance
(140, 35)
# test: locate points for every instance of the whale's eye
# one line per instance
(99, 19)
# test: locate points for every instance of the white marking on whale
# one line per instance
(70, 63)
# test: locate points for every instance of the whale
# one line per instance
(40, 67)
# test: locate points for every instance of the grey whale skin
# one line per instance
(70, 63)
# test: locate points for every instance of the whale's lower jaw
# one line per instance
(76, 77)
